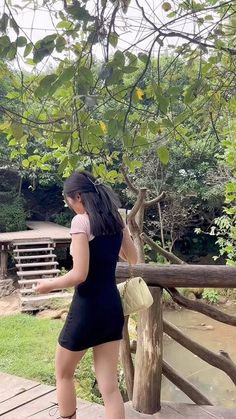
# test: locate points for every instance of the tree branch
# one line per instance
(155, 200)
(130, 185)
(201, 307)
(169, 256)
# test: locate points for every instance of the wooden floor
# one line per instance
(38, 230)
(22, 398)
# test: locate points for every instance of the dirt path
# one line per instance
(9, 305)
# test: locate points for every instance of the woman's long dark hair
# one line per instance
(99, 200)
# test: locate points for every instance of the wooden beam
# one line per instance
(201, 307)
(218, 361)
(3, 261)
(185, 276)
(184, 385)
(126, 360)
(148, 360)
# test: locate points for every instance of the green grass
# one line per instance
(27, 349)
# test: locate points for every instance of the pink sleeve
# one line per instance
(80, 224)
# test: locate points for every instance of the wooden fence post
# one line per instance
(126, 360)
(148, 360)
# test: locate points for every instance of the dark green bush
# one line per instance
(12, 214)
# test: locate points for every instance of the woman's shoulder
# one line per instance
(80, 224)
(81, 218)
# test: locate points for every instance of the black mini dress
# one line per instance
(96, 314)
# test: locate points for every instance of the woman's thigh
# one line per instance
(66, 361)
(106, 358)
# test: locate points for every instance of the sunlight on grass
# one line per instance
(27, 349)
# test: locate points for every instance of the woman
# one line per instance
(95, 318)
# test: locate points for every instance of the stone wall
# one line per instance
(7, 287)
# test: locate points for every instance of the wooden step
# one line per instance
(32, 243)
(47, 256)
(34, 264)
(29, 281)
(42, 272)
(29, 250)
(25, 291)
(47, 296)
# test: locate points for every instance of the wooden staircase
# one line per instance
(35, 259)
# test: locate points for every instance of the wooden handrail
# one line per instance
(201, 307)
(218, 361)
(185, 276)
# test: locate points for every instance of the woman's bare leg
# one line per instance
(66, 363)
(105, 361)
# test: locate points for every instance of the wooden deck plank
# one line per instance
(10, 386)
(39, 230)
(42, 406)
(199, 412)
(25, 397)
(21, 398)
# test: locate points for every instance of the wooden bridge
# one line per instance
(142, 360)
(21, 398)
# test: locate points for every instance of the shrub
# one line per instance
(12, 214)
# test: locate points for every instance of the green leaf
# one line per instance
(129, 69)
(4, 22)
(181, 117)
(21, 41)
(28, 49)
(208, 17)
(80, 13)
(60, 43)
(113, 39)
(154, 127)
(41, 53)
(67, 74)
(118, 59)
(85, 80)
(132, 58)
(25, 163)
(13, 142)
(48, 39)
(143, 57)
(163, 103)
(44, 47)
(163, 154)
(115, 77)
(63, 165)
(5, 41)
(12, 52)
(44, 85)
(65, 24)
(17, 130)
(14, 25)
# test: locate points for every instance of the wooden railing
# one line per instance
(143, 381)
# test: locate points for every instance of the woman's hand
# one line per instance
(43, 286)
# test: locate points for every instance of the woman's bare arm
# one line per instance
(79, 272)
(128, 250)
